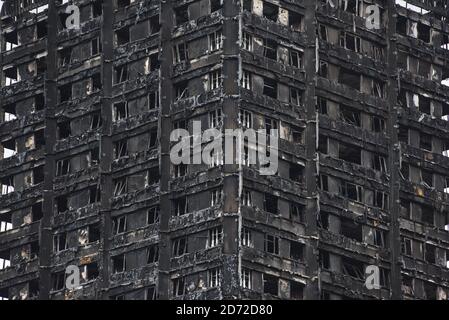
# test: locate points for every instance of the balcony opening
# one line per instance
(94, 194)
(401, 25)
(379, 163)
(33, 289)
(350, 153)
(430, 291)
(153, 100)
(324, 259)
(181, 90)
(271, 244)
(153, 215)
(153, 138)
(270, 285)
(352, 191)
(96, 82)
(424, 105)
(270, 11)
(351, 229)
(297, 212)
(378, 124)
(41, 29)
(154, 61)
(296, 290)
(62, 167)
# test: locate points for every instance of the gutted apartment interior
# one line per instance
(86, 178)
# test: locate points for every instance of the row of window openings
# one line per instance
(274, 13)
(351, 115)
(425, 141)
(35, 214)
(273, 51)
(356, 192)
(426, 214)
(352, 42)
(427, 177)
(353, 154)
(353, 79)
(12, 38)
(181, 13)
(422, 103)
(181, 50)
(214, 81)
(411, 247)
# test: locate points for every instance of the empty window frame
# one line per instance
(270, 285)
(60, 242)
(215, 118)
(349, 78)
(350, 153)
(296, 250)
(180, 206)
(11, 74)
(120, 73)
(7, 184)
(215, 41)
(120, 186)
(351, 42)
(270, 48)
(271, 244)
(246, 237)
(379, 163)
(246, 118)
(350, 229)
(214, 79)
(178, 286)
(215, 237)
(152, 254)
(381, 199)
(270, 11)
(350, 115)
(271, 203)
(246, 80)
(180, 53)
(247, 41)
(179, 246)
(119, 225)
(62, 167)
(216, 196)
(214, 277)
(153, 215)
(181, 14)
(246, 278)
(119, 263)
(121, 148)
(120, 111)
(352, 191)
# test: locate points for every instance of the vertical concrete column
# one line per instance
(165, 126)
(310, 58)
(51, 94)
(106, 147)
(232, 218)
(393, 151)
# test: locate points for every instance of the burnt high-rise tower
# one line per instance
(357, 89)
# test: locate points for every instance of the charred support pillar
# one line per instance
(51, 97)
(311, 250)
(231, 218)
(393, 151)
(166, 99)
(106, 147)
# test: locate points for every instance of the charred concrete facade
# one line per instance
(86, 175)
